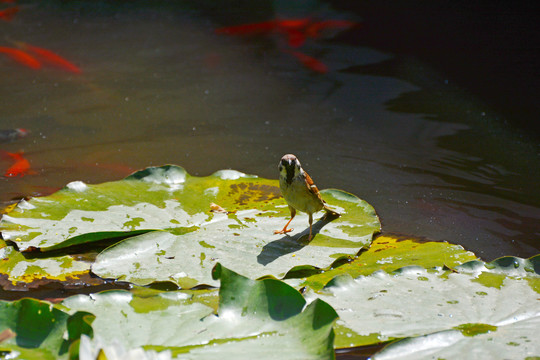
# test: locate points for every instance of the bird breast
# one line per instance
(298, 195)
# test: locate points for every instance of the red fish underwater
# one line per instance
(21, 167)
(7, 14)
(21, 57)
(309, 62)
(49, 57)
(33, 57)
(296, 32)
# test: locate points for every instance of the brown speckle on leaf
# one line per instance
(245, 193)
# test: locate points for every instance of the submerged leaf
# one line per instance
(266, 319)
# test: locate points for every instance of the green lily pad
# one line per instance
(38, 330)
(97, 349)
(390, 252)
(263, 318)
(511, 340)
(20, 273)
(243, 241)
(167, 198)
(413, 301)
(181, 226)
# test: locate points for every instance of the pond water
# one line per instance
(159, 85)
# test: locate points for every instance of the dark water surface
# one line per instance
(159, 86)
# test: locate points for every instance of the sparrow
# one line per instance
(299, 191)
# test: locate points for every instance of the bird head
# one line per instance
(289, 167)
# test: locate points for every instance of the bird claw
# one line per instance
(284, 231)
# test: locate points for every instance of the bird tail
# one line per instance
(330, 212)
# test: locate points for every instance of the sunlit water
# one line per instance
(160, 86)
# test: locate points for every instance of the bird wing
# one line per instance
(312, 187)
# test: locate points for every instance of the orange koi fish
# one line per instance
(7, 14)
(21, 57)
(295, 24)
(50, 57)
(296, 30)
(21, 166)
(295, 37)
(291, 27)
(309, 62)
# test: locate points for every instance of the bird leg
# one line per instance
(285, 230)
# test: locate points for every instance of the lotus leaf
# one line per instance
(263, 318)
(391, 252)
(413, 301)
(21, 273)
(35, 329)
(178, 226)
(243, 241)
(167, 198)
(508, 340)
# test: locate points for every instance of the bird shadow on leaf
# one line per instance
(290, 244)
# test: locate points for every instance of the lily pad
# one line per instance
(97, 349)
(413, 301)
(264, 318)
(510, 340)
(391, 252)
(36, 330)
(181, 226)
(20, 273)
(167, 198)
(237, 242)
